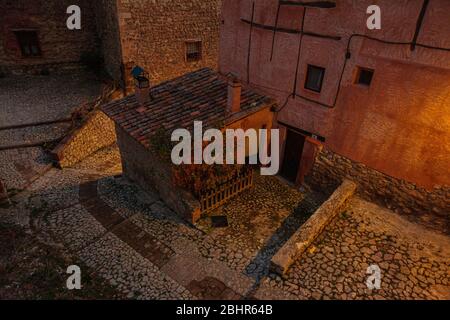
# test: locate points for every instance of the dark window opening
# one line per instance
(364, 76)
(29, 43)
(314, 78)
(193, 51)
(14, 4)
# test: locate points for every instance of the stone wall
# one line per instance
(330, 169)
(109, 34)
(153, 34)
(152, 174)
(3, 192)
(96, 133)
(60, 47)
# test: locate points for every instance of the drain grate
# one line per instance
(219, 221)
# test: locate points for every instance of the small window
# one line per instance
(364, 76)
(193, 51)
(314, 78)
(29, 43)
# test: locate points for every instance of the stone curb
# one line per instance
(312, 228)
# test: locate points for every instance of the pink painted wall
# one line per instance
(400, 125)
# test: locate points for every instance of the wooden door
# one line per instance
(292, 154)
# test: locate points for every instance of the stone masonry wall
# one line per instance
(109, 34)
(331, 169)
(59, 46)
(153, 34)
(150, 173)
(3, 192)
(96, 133)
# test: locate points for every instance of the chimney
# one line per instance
(142, 93)
(142, 85)
(234, 95)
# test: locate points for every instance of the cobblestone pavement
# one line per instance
(260, 222)
(414, 262)
(25, 99)
(145, 251)
(19, 167)
(28, 99)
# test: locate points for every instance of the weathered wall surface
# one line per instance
(150, 173)
(153, 34)
(262, 119)
(258, 120)
(97, 132)
(60, 46)
(400, 125)
(109, 34)
(331, 169)
(3, 192)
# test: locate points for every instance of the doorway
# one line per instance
(292, 154)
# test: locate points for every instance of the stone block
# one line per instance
(312, 228)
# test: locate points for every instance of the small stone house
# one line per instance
(203, 95)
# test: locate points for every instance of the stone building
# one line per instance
(167, 38)
(202, 95)
(34, 37)
(370, 105)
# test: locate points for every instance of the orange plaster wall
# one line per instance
(400, 125)
(256, 121)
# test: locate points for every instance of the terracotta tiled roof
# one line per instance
(196, 96)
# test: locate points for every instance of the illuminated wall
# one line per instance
(399, 125)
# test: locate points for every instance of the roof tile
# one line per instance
(200, 95)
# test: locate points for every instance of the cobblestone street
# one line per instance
(52, 97)
(133, 241)
(414, 262)
(31, 99)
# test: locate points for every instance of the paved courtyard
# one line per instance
(144, 251)
(30, 99)
(27, 98)
(414, 262)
